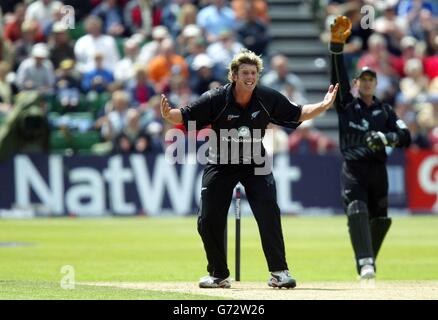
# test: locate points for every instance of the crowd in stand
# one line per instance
(106, 72)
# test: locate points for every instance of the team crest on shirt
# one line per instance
(243, 132)
(375, 113)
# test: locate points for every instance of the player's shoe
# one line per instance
(367, 272)
(213, 282)
(281, 279)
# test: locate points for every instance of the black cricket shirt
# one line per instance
(232, 124)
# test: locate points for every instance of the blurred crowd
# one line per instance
(401, 44)
(103, 71)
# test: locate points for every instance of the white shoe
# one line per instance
(281, 279)
(213, 282)
(367, 272)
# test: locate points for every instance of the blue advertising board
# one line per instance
(148, 184)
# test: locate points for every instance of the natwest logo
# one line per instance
(422, 175)
(120, 187)
(428, 177)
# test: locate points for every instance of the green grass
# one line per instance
(169, 249)
(25, 290)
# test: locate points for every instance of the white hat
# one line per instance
(191, 30)
(407, 42)
(40, 50)
(202, 60)
(160, 32)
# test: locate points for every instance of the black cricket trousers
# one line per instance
(366, 181)
(218, 183)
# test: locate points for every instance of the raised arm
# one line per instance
(310, 111)
(340, 30)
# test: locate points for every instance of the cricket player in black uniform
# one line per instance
(366, 127)
(246, 107)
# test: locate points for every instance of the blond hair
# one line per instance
(245, 56)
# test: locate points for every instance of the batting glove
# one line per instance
(377, 140)
(340, 30)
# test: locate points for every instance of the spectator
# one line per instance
(403, 107)
(140, 88)
(41, 11)
(223, 51)
(112, 17)
(190, 33)
(132, 138)
(433, 86)
(23, 46)
(194, 47)
(180, 91)
(419, 15)
(406, 7)
(68, 85)
(408, 46)
(415, 84)
(305, 140)
(177, 14)
(280, 76)
(216, 18)
(12, 30)
(378, 57)
(36, 72)
(6, 50)
(58, 18)
(392, 27)
(61, 48)
(166, 64)
(200, 82)
(433, 138)
(124, 70)
(115, 120)
(260, 8)
(428, 113)
(99, 78)
(252, 31)
(6, 88)
(93, 42)
(187, 16)
(140, 16)
(132, 17)
(152, 48)
(431, 62)
(419, 139)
